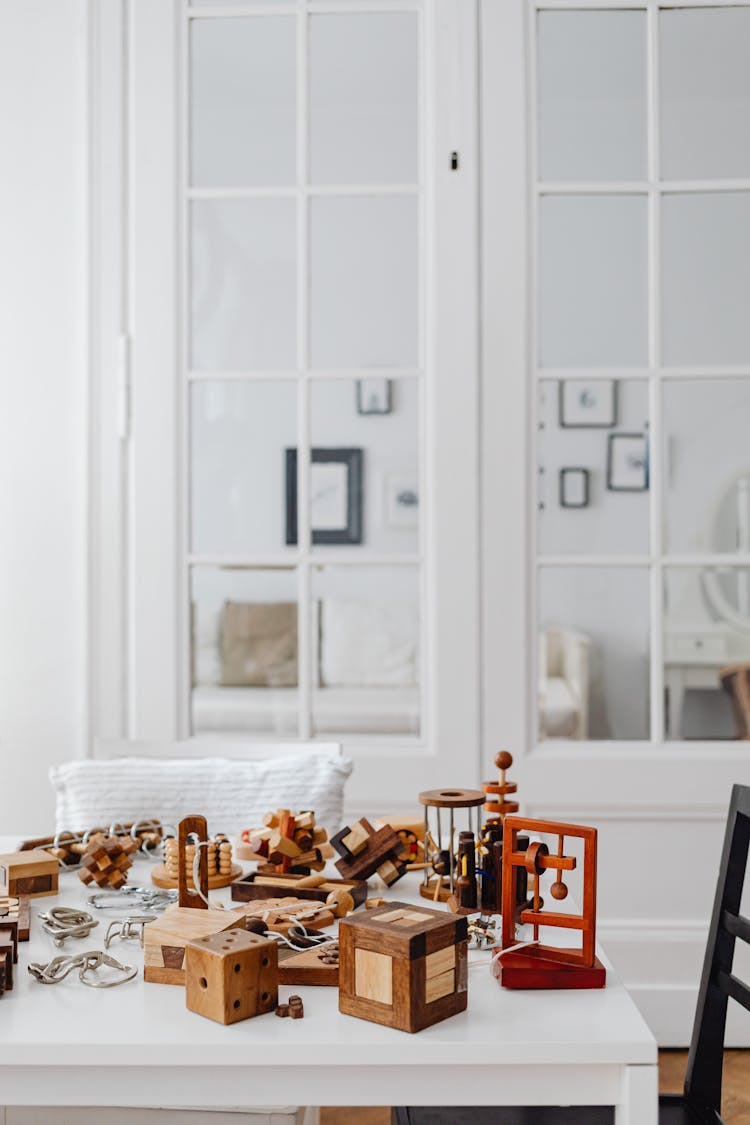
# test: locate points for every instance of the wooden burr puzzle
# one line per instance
(547, 966)
(287, 842)
(403, 966)
(367, 851)
(106, 861)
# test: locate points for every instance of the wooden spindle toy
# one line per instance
(499, 807)
(217, 858)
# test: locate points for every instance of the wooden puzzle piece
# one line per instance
(164, 940)
(278, 914)
(32, 873)
(316, 888)
(106, 861)
(231, 976)
(378, 854)
(316, 966)
(288, 842)
(498, 808)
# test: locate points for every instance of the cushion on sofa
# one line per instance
(232, 795)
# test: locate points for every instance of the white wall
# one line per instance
(42, 404)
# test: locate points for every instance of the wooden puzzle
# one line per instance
(218, 857)
(547, 966)
(231, 976)
(31, 873)
(441, 807)
(410, 831)
(68, 847)
(316, 887)
(498, 807)
(287, 842)
(316, 966)
(278, 914)
(8, 956)
(367, 851)
(14, 921)
(403, 966)
(107, 860)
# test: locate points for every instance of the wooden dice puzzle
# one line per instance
(231, 976)
(403, 966)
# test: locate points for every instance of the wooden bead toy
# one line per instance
(367, 851)
(31, 873)
(219, 863)
(316, 887)
(231, 976)
(106, 861)
(537, 965)
(287, 843)
(403, 966)
(499, 807)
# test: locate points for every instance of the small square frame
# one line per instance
(587, 404)
(374, 395)
(574, 482)
(627, 463)
(351, 534)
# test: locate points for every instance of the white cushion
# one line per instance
(232, 795)
(558, 709)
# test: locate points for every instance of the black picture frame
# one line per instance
(576, 423)
(566, 475)
(351, 534)
(381, 401)
(630, 479)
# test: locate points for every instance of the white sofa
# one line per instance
(563, 684)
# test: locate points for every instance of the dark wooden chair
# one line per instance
(700, 1101)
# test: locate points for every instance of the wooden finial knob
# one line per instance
(503, 760)
(559, 891)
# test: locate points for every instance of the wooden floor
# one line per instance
(735, 1108)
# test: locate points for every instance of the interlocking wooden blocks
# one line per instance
(6, 963)
(164, 940)
(231, 976)
(365, 851)
(403, 966)
(107, 861)
(32, 873)
(288, 842)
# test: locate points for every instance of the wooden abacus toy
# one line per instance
(287, 843)
(498, 808)
(218, 858)
(107, 860)
(443, 849)
(545, 966)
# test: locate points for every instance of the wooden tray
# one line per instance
(258, 885)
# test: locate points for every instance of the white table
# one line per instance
(137, 1045)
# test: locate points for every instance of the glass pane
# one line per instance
(363, 269)
(366, 650)
(363, 98)
(244, 285)
(365, 470)
(706, 652)
(707, 466)
(243, 102)
(706, 278)
(593, 281)
(244, 650)
(592, 95)
(594, 653)
(590, 500)
(705, 93)
(239, 432)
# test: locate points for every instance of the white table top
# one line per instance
(67, 1032)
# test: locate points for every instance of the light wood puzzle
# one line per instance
(231, 976)
(279, 914)
(106, 861)
(403, 966)
(164, 940)
(31, 873)
(316, 888)
(316, 966)
(287, 842)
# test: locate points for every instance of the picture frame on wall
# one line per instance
(374, 396)
(627, 463)
(574, 488)
(336, 479)
(587, 404)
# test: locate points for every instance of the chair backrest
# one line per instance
(718, 983)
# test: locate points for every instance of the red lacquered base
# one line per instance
(533, 968)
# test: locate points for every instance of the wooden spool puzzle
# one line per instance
(446, 812)
(220, 867)
(548, 966)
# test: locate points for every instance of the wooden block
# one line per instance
(355, 841)
(373, 976)
(164, 940)
(306, 820)
(528, 968)
(9, 922)
(403, 966)
(31, 873)
(231, 976)
(318, 966)
(277, 885)
(24, 918)
(282, 846)
(6, 962)
(382, 846)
